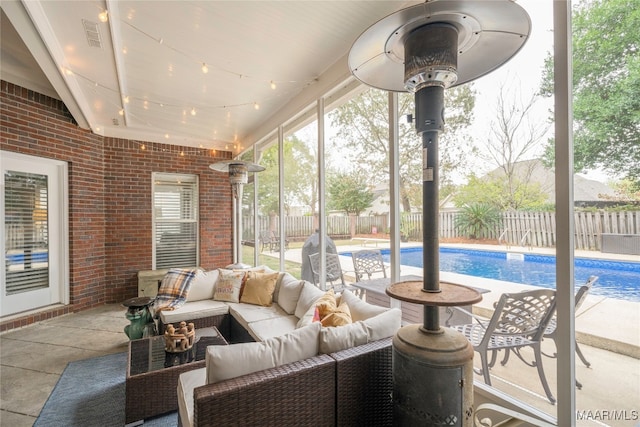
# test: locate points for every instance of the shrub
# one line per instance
(478, 220)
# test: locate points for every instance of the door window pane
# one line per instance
(26, 232)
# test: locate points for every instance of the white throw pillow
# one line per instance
(384, 325)
(228, 286)
(338, 338)
(360, 310)
(231, 361)
(288, 293)
(202, 285)
(308, 296)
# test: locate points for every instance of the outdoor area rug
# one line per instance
(90, 393)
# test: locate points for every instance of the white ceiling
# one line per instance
(145, 78)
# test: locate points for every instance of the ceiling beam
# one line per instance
(21, 16)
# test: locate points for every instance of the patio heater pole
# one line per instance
(435, 45)
(238, 176)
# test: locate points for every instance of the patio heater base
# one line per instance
(425, 365)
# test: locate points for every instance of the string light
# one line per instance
(126, 99)
(103, 16)
(121, 112)
(193, 111)
(256, 106)
(180, 151)
(203, 64)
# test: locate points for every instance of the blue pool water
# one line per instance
(620, 280)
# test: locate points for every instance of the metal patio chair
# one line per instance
(368, 261)
(266, 241)
(276, 241)
(519, 320)
(333, 270)
(551, 331)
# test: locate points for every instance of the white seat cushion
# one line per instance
(268, 328)
(194, 310)
(249, 313)
(187, 382)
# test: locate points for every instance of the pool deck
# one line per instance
(608, 331)
(606, 323)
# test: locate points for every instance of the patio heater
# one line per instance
(424, 49)
(238, 176)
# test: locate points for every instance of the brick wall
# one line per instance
(128, 172)
(110, 198)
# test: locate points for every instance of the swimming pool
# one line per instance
(620, 280)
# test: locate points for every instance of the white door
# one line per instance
(33, 211)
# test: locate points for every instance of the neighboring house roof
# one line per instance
(584, 190)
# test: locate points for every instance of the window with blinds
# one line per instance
(175, 220)
(26, 232)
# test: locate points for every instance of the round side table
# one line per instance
(140, 318)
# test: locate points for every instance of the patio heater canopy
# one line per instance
(489, 34)
(238, 176)
(224, 165)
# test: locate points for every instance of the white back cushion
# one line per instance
(289, 293)
(308, 296)
(202, 285)
(338, 338)
(384, 324)
(231, 361)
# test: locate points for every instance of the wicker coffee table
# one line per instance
(150, 387)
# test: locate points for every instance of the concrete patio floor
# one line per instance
(33, 358)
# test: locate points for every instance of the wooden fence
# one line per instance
(535, 229)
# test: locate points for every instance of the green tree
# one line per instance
(493, 190)
(349, 193)
(363, 127)
(606, 78)
(300, 177)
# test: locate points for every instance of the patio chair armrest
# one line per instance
(481, 322)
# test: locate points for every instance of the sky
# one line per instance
(524, 70)
(525, 67)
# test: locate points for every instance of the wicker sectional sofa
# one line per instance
(347, 388)
(283, 368)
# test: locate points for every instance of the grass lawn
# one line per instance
(272, 260)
